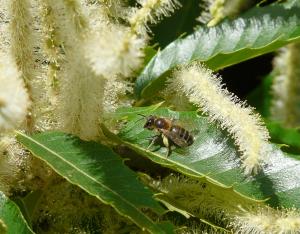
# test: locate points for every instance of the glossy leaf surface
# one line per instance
(99, 171)
(13, 220)
(259, 31)
(282, 135)
(214, 156)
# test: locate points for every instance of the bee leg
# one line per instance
(173, 120)
(154, 139)
(167, 144)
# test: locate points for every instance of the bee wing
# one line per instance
(174, 138)
(187, 124)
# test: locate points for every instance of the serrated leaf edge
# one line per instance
(105, 202)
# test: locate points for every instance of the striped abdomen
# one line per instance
(180, 136)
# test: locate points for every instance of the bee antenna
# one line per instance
(142, 115)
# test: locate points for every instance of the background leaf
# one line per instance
(282, 135)
(99, 171)
(12, 217)
(183, 20)
(3, 228)
(259, 31)
(214, 156)
(261, 97)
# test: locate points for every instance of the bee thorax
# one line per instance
(162, 123)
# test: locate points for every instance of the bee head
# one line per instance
(150, 122)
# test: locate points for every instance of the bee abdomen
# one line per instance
(190, 140)
(183, 134)
(175, 129)
(188, 137)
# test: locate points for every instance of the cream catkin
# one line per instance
(14, 100)
(114, 50)
(199, 197)
(204, 89)
(13, 159)
(115, 94)
(22, 46)
(267, 220)
(40, 93)
(285, 104)
(151, 11)
(117, 9)
(51, 48)
(220, 9)
(118, 49)
(4, 26)
(21, 37)
(25, 43)
(80, 98)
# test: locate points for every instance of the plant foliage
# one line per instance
(80, 78)
(257, 32)
(13, 220)
(104, 177)
(214, 156)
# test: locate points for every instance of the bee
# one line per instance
(169, 131)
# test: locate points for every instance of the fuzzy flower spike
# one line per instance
(151, 11)
(204, 89)
(267, 220)
(118, 50)
(14, 100)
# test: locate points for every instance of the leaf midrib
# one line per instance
(190, 170)
(177, 163)
(79, 170)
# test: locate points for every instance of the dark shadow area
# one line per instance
(267, 188)
(139, 163)
(183, 20)
(244, 77)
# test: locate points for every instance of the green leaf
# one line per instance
(261, 97)
(183, 20)
(3, 228)
(282, 135)
(257, 32)
(99, 171)
(213, 155)
(29, 203)
(290, 3)
(12, 217)
(149, 54)
(174, 207)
